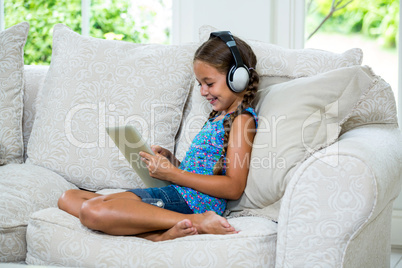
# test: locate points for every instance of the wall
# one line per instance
(396, 232)
(276, 21)
(396, 235)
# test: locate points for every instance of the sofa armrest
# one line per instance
(335, 194)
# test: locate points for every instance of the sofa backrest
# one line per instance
(34, 78)
(105, 83)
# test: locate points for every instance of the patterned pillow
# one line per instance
(24, 189)
(378, 107)
(94, 83)
(12, 42)
(297, 119)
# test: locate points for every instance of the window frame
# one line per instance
(2, 19)
(86, 16)
(399, 100)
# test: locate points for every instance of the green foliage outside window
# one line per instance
(377, 19)
(109, 19)
(42, 15)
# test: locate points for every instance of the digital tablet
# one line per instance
(130, 142)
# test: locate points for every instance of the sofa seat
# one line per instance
(24, 189)
(57, 238)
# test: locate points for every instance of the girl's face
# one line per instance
(214, 88)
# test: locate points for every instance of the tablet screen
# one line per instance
(130, 142)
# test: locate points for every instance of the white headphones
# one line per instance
(238, 76)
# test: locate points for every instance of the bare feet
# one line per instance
(211, 223)
(205, 223)
(181, 229)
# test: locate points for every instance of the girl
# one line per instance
(214, 169)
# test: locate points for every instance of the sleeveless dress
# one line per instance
(201, 157)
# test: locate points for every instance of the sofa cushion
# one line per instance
(296, 119)
(94, 83)
(24, 189)
(34, 77)
(12, 42)
(275, 65)
(57, 238)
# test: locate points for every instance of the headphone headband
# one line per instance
(238, 75)
(227, 37)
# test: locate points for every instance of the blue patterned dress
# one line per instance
(204, 152)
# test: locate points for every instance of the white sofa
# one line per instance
(325, 164)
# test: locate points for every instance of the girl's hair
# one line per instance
(216, 53)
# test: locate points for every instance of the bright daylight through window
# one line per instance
(370, 25)
(141, 21)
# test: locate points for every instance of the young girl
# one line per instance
(214, 169)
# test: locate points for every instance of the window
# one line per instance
(369, 25)
(133, 21)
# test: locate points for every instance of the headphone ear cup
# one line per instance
(238, 79)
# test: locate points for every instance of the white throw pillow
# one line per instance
(94, 83)
(297, 119)
(12, 42)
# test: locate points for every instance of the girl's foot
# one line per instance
(211, 223)
(181, 229)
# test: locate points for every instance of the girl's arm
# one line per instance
(229, 186)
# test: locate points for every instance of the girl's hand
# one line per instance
(158, 165)
(166, 153)
(162, 151)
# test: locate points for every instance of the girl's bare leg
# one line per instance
(125, 214)
(71, 201)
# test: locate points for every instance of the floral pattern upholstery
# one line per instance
(376, 106)
(103, 83)
(338, 200)
(325, 229)
(24, 189)
(56, 238)
(12, 42)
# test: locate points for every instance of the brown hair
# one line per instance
(217, 54)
